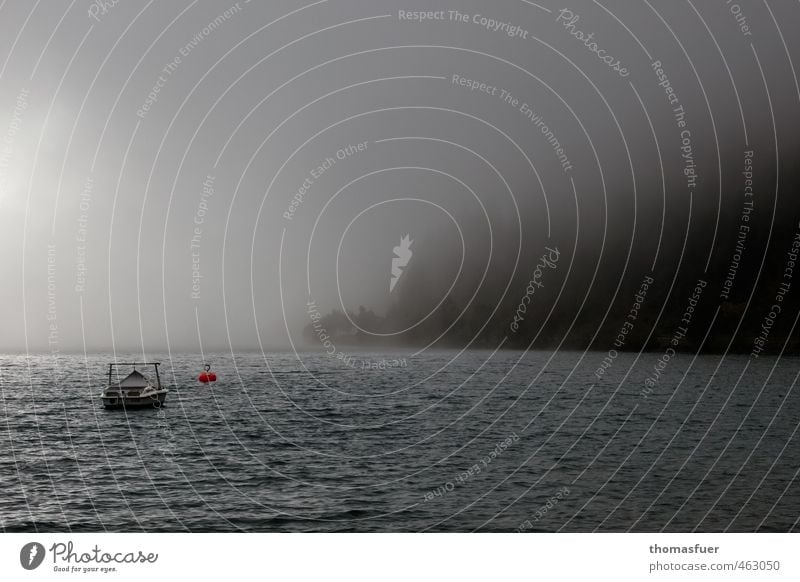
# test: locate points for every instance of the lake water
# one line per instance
(444, 441)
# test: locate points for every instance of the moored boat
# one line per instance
(135, 390)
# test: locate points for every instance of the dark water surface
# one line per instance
(447, 443)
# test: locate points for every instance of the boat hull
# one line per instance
(129, 402)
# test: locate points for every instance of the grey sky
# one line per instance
(146, 128)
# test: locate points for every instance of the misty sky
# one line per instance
(150, 152)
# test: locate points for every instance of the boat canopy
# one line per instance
(135, 380)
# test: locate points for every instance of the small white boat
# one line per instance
(134, 391)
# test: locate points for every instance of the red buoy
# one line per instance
(207, 376)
